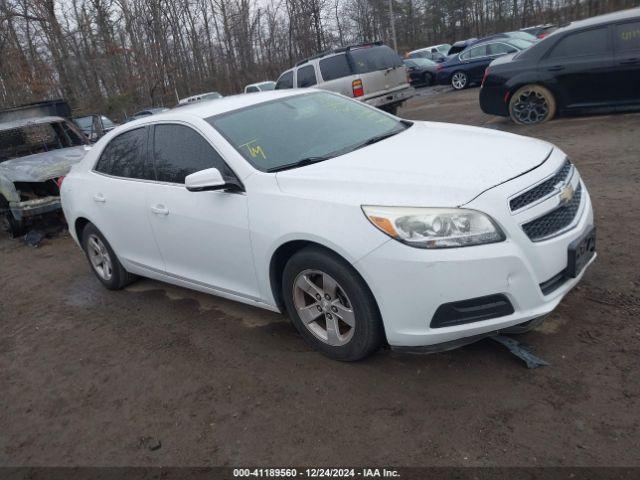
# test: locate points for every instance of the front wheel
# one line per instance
(10, 225)
(331, 306)
(459, 80)
(532, 104)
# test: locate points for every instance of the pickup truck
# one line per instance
(35, 154)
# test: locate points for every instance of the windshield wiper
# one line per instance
(300, 163)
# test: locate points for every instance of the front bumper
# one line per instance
(410, 284)
(493, 99)
(32, 208)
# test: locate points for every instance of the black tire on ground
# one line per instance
(459, 80)
(8, 223)
(428, 79)
(119, 278)
(531, 105)
(392, 109)
(368, 332)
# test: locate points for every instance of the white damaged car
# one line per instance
(335, 212)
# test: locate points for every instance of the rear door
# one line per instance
(626, 69)
(581, 63)
(475, 60)
(379, 67)
(118, 200)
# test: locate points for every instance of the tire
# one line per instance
(344, 325)
(532, 105)
(459, 80)
(97, 248)
(8, 223)
(392, 109)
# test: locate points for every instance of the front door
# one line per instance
(203, 236)
(626, 69)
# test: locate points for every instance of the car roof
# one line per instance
(29, 121)
(222, 105)
(603, 19)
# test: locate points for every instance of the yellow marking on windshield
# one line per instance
(254, 150)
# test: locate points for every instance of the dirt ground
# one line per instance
(87, 374)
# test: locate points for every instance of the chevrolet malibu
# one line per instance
(317, 205)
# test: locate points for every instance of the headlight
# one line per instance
(435, 227)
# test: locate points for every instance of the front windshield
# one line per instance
(522, 36)
(84, 122)
(107, 123)
(267, 86)
(210, 96)
(308, 126)
(444, 48)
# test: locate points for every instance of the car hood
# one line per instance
(42, 166)
(429, 164)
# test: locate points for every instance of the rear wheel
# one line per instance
(459, 80)
(392, 109)
(8, 223)
(103, 260)
(532, 104)
(331, 306)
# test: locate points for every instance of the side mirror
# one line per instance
(209, 179)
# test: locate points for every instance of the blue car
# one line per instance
(468, 66)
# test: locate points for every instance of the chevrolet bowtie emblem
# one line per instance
(566, 194)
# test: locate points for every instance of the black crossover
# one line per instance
(586, 65)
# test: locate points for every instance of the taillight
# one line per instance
(358, 89)
(484, 77)
(59, 182)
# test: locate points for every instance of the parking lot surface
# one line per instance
(159, 375)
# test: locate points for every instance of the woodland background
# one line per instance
(116, 56)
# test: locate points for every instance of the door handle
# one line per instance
(99, 198)
(556, 68)
(630, 61)
(160, 210)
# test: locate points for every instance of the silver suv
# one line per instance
(372, 73)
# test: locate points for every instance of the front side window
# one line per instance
(306, 76)
(582, 44)
(125, 156)
(285, 81)
(627, 37)
(335, 67)
(179, 151)
(310, 127)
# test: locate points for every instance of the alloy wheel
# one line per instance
(459, 80)
(530, 107)
(99, 257)
(324, 307)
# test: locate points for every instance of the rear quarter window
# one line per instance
(627, 37)
(335, 67)
(582, 44)
(285, 80)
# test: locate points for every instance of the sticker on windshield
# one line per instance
(254, 149)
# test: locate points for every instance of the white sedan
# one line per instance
(339, 214)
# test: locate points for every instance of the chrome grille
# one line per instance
(554, 221)
(541, 190)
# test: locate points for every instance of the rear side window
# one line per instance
(285, 81)
(371, 59)
(627, 37)
(499, 48)
(306, 76)
(475, 52)
(335, 67)
(179, 151)
(124, 156)
(582, 44)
